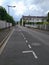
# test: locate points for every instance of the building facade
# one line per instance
(33, 19)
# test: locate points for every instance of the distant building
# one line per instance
(33, 19)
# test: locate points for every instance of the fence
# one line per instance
(44, 27)
(4, 24)
(34, 26)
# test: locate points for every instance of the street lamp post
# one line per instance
(8, 11)
(9, 7)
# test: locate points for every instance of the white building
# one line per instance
(33, 19)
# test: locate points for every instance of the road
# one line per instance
(25, 47)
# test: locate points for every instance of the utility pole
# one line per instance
(9, 11)
(10, 6)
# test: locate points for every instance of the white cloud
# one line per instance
(29, 2)
(20, 8)
(32, 7)
(46, 12)
(35, 8)
(1, 2)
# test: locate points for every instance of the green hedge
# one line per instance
(5, 16)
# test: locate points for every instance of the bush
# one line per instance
(39, 22)
(3, 13)
(5, 16)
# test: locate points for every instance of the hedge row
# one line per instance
(5, 16)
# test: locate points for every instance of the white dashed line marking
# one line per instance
(31, 51)
(24, 38)
(29, 46)
(34, 54)
(26, 41)
(19, 30)
(26, 51)
(22, 34)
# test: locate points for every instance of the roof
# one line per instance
(26, 17)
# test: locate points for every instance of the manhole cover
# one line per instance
(36, 44)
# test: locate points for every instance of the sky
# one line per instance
(26, 7)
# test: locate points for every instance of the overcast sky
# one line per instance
(26, 7)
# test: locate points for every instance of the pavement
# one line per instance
(3, 34)
(25, 47)
(39, 30)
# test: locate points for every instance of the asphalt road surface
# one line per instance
(25, 47)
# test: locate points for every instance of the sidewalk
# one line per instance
(39, 30)
(3, 35)
(42, 31)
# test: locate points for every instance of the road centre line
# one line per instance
(22, 34)
(29, 45)
(34, 54)
(24, 38)
(19, 30)
(26, 41)
(31, 51)
(26, 51)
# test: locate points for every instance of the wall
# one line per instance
(44, 27)
(4, 24)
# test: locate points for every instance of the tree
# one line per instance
(48, 17)
(10, 19)
(5, 16)
(39, 22)
(17, 22)
(3, 13)
(21, 21)
(24, 23)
